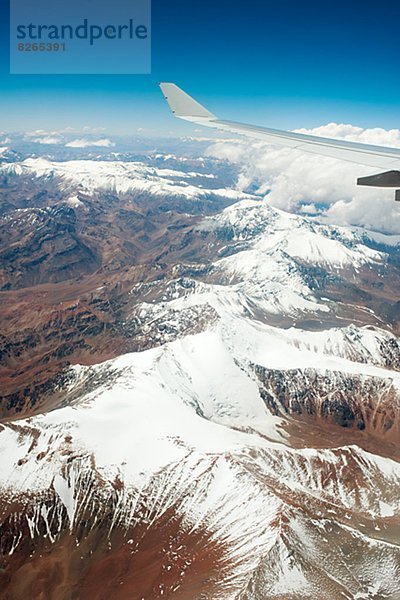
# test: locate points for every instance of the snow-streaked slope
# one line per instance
(272, 259)
(271, 230)
(165, 423)
(192, 394)
(332, 348)
(159, 398)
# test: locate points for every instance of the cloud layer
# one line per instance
(86, 143)
(316, 185)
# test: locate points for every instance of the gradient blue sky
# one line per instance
(282, 63)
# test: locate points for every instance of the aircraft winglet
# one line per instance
(183, 105)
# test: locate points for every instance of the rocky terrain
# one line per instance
(200, 394)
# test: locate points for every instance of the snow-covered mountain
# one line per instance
(218, 413)
(123, 177)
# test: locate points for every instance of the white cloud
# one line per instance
(85, 143)
(316, 185)
(39, 136)
(48, 140)
(35, 133)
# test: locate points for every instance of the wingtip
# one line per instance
(182, 105)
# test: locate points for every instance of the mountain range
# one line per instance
(200, 393)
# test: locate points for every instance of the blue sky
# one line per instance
(281, 63)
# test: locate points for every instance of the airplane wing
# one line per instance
(380, 157)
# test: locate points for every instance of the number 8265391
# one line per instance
(42, 47)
